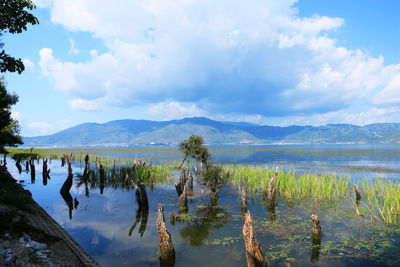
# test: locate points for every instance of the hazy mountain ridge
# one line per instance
(144, 132)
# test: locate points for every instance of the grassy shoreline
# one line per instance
(380, 198)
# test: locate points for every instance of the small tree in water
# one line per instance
(194, 148)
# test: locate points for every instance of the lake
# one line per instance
(107, 224)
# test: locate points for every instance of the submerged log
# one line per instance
(244, 200)
(254, 255)
(358, 193)
(316, 227)
(167, 252)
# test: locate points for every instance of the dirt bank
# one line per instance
(29, 236)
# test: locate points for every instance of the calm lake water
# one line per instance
(210, 234)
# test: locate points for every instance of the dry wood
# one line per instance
(254, 255)
(244, 200)
(358, 193)
(272, 189)
(167, 252)
(182, 200)
(316, 227)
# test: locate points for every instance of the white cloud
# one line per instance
(28, 63)
(72, 49)
(257, 58)
(84, 105)
(41, 127)
(173, 110)
(17, 115)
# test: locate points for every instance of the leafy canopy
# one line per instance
(194, 148)
(9, 129)
(14, 18)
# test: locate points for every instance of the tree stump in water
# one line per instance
(316, 227)
(87, 164)
(244, 201)
(190, 181)
(254, 255)
(182, 200)
(167, 252)
(358, 193)
(272, 189)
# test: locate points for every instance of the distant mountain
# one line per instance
(144, 132)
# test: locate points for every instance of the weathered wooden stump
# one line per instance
(190, 181)
(254, 255)
(272, 189)
(316, 227)
(317, 236)
(87, 164)
(182, 200)
(358, 192)
(167, 252)
(244, 201)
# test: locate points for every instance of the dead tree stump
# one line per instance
(316, 227)
(87, 164)
(254, 255)
(272, 189)
(358, 193)
(167, 252)
(244, 200)
(182, 200)
(190, 181)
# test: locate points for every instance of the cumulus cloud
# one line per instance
(257, 58)
(42, 127)
(174, 110)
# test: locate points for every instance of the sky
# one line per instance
(268, 62)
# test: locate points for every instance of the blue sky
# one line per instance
(269, 62)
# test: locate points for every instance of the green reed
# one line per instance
(289, 184)
(382, 200)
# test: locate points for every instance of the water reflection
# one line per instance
(142, 212)
(208, 217)
(64, 191)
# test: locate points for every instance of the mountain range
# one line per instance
(130, 133)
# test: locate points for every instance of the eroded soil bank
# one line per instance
(29, 236)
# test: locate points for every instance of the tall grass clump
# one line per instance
(289, 184)
(382, 199)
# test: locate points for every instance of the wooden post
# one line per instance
(254, 255)
(358, 193)
(167, 252)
